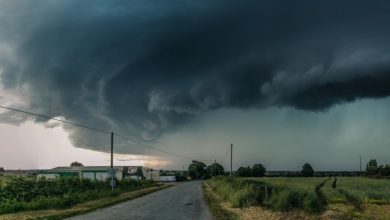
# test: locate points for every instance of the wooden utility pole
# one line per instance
(112, 172)
(112, 150)
(231, 159)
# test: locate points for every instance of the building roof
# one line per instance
(89, 168)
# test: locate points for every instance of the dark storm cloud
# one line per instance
(144, 67)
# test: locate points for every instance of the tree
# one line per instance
(197, 170)
(215, 169)
(258, 170)
(384, 170)
(76, 164)
(372, 167)
(244, 171)
(307, 170)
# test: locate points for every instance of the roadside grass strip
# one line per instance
(243, 193)
(214, 204)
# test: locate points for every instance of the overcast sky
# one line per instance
(285, 82)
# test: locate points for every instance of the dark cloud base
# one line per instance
(143, 68)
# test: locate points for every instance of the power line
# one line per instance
(157, 149)
(56, 119)
(101, 131)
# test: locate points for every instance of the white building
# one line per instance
(93, 172)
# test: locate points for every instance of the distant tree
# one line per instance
(372, 167)
(244, 171)
(76, 164)
(384, 170)
(215, 169)
(197, 170)
(258, 170)
(307, 170)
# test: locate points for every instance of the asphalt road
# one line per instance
(183, 201)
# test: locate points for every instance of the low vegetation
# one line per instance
(246, 192)
(368, 190)
(81, 207)
(216, 207)
(350, 198)
(22, 193)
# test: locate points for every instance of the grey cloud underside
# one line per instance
(142, 67)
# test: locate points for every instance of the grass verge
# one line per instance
(245, 193)
(82, 207)
(214, 204)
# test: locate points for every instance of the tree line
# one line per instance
(372, 169)
(199, 170)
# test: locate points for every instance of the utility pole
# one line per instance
(112, 172)
(112, 150)
(231, 159)
(360, 165)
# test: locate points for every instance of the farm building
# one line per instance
(153, 175)
(102, 173)
(94, 172)
(164, 175)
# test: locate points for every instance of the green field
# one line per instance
(370, 191)
(352, 197)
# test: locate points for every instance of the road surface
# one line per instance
(183, 201)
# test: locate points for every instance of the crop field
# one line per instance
(370, 191)
(28, 193)
(312, 195)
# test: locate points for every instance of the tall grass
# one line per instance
(242, 193)
(238, 192)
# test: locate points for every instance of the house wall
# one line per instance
(88, 175)
(153, 175)
(101, 176)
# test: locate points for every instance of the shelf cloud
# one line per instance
(145, 67)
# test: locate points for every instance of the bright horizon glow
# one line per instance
(35, 146)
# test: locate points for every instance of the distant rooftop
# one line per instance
(76, 168)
